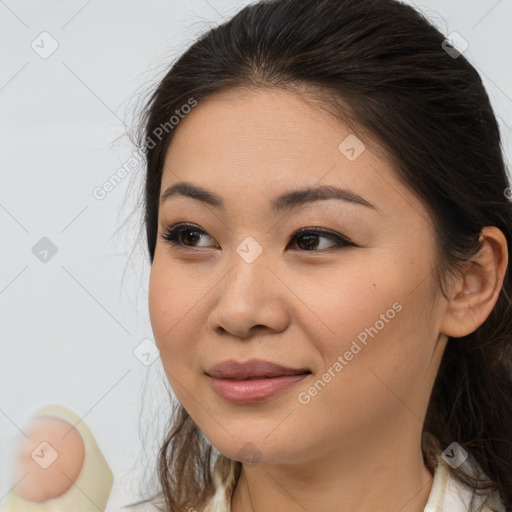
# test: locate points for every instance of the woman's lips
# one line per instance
(254, 389)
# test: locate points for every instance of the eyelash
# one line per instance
(171, 236)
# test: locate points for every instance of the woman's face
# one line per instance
(361, 317)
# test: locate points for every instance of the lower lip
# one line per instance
(253, 390)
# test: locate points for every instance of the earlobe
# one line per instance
(477, 289)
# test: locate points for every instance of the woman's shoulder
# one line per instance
(449, 494)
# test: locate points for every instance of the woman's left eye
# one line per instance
(309, 236)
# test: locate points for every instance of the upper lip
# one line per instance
(231, 369)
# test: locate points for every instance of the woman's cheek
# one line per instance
(346, 305)
(174, 311)
(164, 310)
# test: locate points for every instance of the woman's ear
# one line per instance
(476, 291)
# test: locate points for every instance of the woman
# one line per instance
(328, 226)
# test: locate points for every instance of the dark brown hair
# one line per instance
(385, 69)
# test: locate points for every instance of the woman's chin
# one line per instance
(253, 450)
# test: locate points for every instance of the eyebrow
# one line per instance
(282, 203)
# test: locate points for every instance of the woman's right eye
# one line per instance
(188, 232)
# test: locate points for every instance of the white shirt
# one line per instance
(446, 495)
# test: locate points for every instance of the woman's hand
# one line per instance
(49, 460)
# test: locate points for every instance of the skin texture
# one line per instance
(56, 463)
(356, 445)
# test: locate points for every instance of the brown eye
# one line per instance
(310, 239)
(307, 239)
(184, 234)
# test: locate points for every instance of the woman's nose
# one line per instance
(251, 297)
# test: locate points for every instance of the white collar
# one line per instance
(447, 493)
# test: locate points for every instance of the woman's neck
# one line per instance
(387, 482)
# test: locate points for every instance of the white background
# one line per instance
(68, 327)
